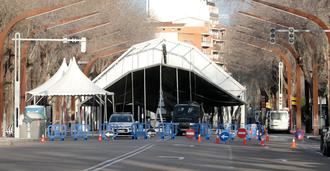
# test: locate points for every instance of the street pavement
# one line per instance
(155, 154)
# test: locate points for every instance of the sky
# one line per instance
(170, 10)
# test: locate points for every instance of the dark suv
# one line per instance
(325, 142)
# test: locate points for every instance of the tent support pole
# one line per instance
(138, 113)
(113, 104)
(190, 95)
(105, 109)
(177, 85)
(100, 112)
(144, 92)
(132, 80)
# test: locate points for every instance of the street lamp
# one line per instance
(17, 70)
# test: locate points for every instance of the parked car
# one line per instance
(122, 123)
(325, 142)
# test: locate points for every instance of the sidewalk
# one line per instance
(313, 137)
(11, 141)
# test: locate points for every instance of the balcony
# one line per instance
(217, 40)
(206, 44)
(206, 34)
(217, 59)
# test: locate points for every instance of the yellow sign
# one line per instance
(268, 105)
(293, 103)
(293, 98)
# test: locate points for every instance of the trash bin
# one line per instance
(34, 122)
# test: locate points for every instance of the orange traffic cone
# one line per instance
(42, 139)
(199, 138)
(267, 138)
(293, 144)
(262, 142)
(100, 138)
(244, 141)
(217, 140)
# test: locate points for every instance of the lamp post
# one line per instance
(17, 70)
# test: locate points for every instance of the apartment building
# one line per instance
(199, 29)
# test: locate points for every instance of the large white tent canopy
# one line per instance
(72, 83)
(179, 55)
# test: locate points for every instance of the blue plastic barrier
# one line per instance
(202, 129)
(255, 131)
(56, 131)
(140, 130)
(79, 131)
(168, 130)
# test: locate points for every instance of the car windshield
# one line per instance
(186, 110)
(279, 115)
(121, 118)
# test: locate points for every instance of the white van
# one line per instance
(279, 120)
(123, 122)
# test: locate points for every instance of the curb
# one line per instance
(314, 138)
(13, 141)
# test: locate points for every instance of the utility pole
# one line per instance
(17, 70)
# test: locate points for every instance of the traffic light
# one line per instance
(74, 40)
(272, 36)
(291, 35)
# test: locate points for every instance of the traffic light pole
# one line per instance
(17, 71)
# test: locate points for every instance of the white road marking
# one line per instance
(283, 160)
(184, 145)
(171, 157)
(119, 158)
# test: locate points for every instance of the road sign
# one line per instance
(190, 133)
(108, 134)
(224, 136)
(241, 132)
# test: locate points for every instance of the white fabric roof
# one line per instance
(179, 55)
(46, 85)
(73, 83)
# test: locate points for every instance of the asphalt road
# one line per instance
(179, 154)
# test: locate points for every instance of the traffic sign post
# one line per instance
(241, 133)
(190, 133)
(224, 136)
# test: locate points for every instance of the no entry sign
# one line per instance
(190, 133)
(241, 132)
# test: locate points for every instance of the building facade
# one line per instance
(199, 29)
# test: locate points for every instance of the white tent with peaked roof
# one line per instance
(71, 81)
(46, 85)
(74, 83)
